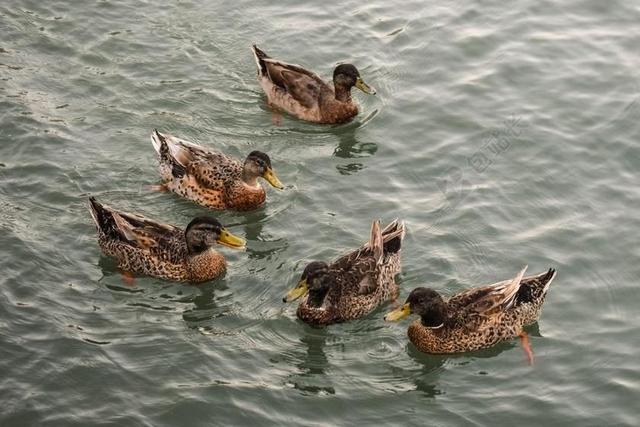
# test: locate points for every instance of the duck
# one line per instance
(210, 178)
(354, 284)
(152, 248)
(477, 318)
(305, 95)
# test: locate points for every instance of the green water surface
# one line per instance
(503, 133)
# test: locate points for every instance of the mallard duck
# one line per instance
(477, 318)
(354, 284)
(303, 94)
(161, 250)
(210, 178)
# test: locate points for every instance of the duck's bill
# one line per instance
(398, 313)
(360, 84)
(300, 290)
(231, 241)
(272, 179)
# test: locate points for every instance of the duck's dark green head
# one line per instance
(426, 303)
(205, 231)
(258, 164)
(347, 76)
(314, 280)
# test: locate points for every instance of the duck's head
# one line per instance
(204, 232)
(258, 164)
(314, 281)
(346, 76)
(426, 303)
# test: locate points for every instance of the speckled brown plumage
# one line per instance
(302, 93)
(144, 246)
(208, 178)
(361, 280)
(483, 316)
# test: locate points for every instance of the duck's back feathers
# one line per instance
(273, 69)
(504, 295)
(186, 157)
(389, 240)
(131, 229)
(477, 307)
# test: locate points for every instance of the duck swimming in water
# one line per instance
(144, 246)
(303, 94)
(477, 318)
(354, 284)
(213, 179)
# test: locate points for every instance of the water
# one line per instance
(502, 135)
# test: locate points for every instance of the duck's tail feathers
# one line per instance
(259, 55)
(158, 140)
(376, 242)
(510, 288)
(102, 217)
(393, 235)
(167, 152)
(547, 279)
(96, 210)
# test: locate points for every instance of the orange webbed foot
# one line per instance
(526, 346)
(159, 187)
(128, 278)
(276, 118)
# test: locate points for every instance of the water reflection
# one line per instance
(259, 247)
(205, 308)
(349, 148)
(311, 377)
(427, 376)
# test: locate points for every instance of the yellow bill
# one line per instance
(360, 84)
(398, 313)
(227, 239)
(272, 179)
(300, 290)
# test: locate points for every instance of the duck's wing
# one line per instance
(208, 168)
(379, 245)
(215, 171)
(177, 149)
(303, 85)
(133, 229)
(174, 154)
(361, 278)
(475, 308)
(359, 270)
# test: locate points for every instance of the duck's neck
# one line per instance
(250, 179)
(343, 93)
(434, 318)
(317, 296)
